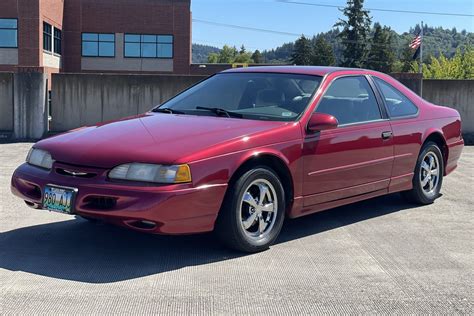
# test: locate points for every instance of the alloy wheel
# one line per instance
(429, 173)
(258, 209)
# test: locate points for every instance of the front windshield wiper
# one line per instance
(167, 110)
(220, 111)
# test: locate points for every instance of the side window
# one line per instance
(398, 105)
(350, 100)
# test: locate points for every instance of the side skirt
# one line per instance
(299, 210)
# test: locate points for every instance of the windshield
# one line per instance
(259, 96)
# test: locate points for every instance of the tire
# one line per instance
(89, 219)
(427, 192)
(248, 228)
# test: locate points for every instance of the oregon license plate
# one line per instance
(59, 199)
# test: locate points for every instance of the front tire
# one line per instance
(89, 219)
(253, 211)
(428, 177)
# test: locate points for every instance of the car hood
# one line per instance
(154, 138)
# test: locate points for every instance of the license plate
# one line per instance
(59, 199)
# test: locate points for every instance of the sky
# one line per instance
(309, 20)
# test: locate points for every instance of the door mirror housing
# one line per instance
(321, 122)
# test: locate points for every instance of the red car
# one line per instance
(243, 149)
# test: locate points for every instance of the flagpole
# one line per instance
(421, 60)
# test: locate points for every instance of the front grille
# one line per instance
(75, 173)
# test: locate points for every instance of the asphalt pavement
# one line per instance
(378, 256)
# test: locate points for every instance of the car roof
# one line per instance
(303, 70)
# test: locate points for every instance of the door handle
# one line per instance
(387, 135)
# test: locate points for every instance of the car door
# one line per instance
(357, 156)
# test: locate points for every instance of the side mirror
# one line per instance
(321, 121)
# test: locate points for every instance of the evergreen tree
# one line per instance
(257, 57)
(302, 52)
(381, 56)
(407, 59)
(323, 54)
(354, 34)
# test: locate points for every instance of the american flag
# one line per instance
(416, 42)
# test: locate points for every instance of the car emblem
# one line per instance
(75, 174)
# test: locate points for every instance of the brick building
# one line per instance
(132, 36)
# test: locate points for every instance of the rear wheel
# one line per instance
(428, 176)
(253, 212)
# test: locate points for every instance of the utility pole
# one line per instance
(420, 70)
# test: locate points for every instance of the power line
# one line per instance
(375, 9)
(240, 27)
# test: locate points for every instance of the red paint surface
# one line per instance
(328, 168)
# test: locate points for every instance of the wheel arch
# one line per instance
(274, 161)
(437, 137)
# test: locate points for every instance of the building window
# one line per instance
(57, 41)
(8, 33)
(47, 37)
(148, 46)
(98, 45)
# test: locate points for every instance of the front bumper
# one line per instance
(174, 209)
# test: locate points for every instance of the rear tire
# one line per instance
(253, 211)
(428, 177)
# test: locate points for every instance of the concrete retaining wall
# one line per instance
(23, 112)
(30, 114)
(6, 104)
(457, 94)
(86, 99)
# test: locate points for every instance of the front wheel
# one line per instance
(253, 211)
(428, 176)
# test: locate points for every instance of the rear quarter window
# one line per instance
(398, 105)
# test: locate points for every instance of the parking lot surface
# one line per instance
(377, 256)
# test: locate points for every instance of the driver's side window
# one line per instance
(350, 100)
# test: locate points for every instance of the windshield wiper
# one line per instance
(220, 111)
(167, 110)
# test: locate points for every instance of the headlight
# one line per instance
(152, 173)
(40, 158)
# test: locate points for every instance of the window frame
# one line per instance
(46, 36)
(98, 42)
(16, 29)
(57, 39)
(141, 42)
(382, 98)
(378, 100)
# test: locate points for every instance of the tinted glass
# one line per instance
(166, 39)
(132, 38)
(8, 38)
(260, 96)
(8, 23)
(90, 37)
(90, 48)
(46, 28)
(148, 46)
(106, 49)
(397, 103)
(57, 41)
(350, 100)
(165, 50)
(149, 38)
(132, 49)
(106, 37)
(149, 50)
